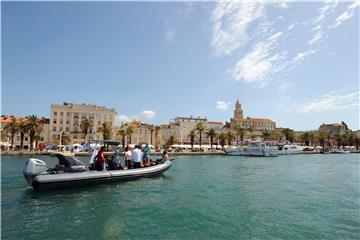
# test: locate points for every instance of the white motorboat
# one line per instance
(254, 148)
(289, 148)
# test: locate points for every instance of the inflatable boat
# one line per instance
(71, 172)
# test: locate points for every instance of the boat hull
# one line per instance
(46, 181)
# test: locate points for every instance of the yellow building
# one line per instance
(67, 118)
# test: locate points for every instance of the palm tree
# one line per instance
(211, 134)
(339, 140)
(152, 129)
(321, 138)
(311, 137)
(192, 138)
(229, 137)
(222, 139)
(251, 130)
(106, 129)
(289, 134)
(23, 129)
(129, 132)
(200, 128)
(122, 133)
(86, 125)
(62, 138)
(240, 132)
(305, 138)
(266, 134)
(171, 141)
(275, 135)
(12, 128)
(34, 126)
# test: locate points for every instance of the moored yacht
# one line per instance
(289, 148)
(254, 148)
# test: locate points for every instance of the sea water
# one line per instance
(201, 197)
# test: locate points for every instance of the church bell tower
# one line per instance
(238, 112)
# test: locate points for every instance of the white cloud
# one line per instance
(147, 115)
(230, 24)
(331, 102)
(349, 13)
(120, 119)
(169, 35)
(291, 26)
(317, 37)
(301, 56)
(257, 65)
(328, 8)
(221, 105)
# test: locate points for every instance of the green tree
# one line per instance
(222, 139)
(266, 134)
(23, 127)
(200, 128)
(240, 132)
(105, 129)
(62, 138)
(211, 134)
(339, 140)
(305, 138)
(11, 128)
(229, 137)
(321, 137)
(192, 136)
(275, 135)
(129, 132)
(288, 134)
(35, 126)
(171, 141)
(122, 133)
(251, 130)
(86, 126)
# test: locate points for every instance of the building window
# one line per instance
(17, 138)
(54, 121)
(54, 128)
(61, 128)
(76, 115)
(67, 122)
(61, 121)
(55, 113)
(67, 129)
(75, 137)
(26, 138)
(61, 114)
(83, 116)
(42, 139)
(68, 114)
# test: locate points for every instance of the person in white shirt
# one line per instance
(128, 157)
(136, 156)
(92, 159)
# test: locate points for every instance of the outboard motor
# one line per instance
(33, 167)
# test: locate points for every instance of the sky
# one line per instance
(296, 63)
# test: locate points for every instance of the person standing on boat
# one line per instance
(136, 155)
(147, 151)
(92, 159)
(100, 161)
(128, 157)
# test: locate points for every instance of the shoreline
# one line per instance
(85, 154)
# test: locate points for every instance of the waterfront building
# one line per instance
(258, 124)
(181, 127)
(67, 118)
(333, 128)
(142, 133)
(43, 137)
